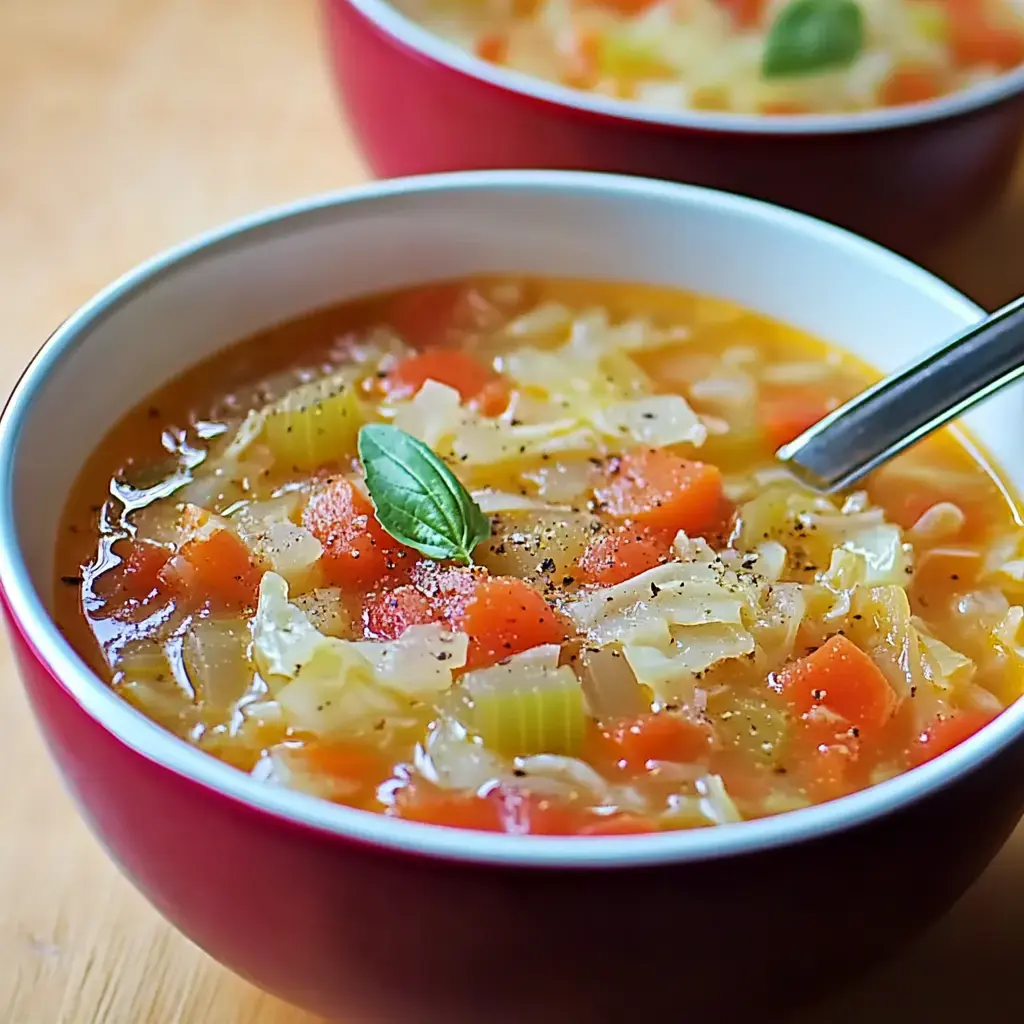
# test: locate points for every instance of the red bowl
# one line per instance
(363, 917)
(908, 177)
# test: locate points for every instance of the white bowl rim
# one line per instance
(963, 101)
(158, 745)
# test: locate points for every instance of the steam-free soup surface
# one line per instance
(767, 57)
(660, 629)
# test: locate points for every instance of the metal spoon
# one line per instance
(906, 406)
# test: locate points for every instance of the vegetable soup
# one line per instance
(515, 555)
(744, 56)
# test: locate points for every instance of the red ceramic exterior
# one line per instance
(359, 934)
(908, 187)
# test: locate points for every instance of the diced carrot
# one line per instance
(910, 84)
(358, 762)
(783, 108)
(217, 569)
(503, 809)
(358, 551)
(423, 803)
(946, 732)
(658, 736)
(825, 752)
(745, 13)
(619, 554)
(425, 316)
(475, 382)
(841, 677)
(622, 824)
(138, 575)
(493, 47)
(662, 491)
(388, 614)
(619, 6)
(524, 813)
(784, 417)
(976, 37)
(504, 616)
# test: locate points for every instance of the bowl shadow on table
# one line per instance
(965, 968)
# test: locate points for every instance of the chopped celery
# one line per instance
(216, 657)
(519, 709)
(315, 424)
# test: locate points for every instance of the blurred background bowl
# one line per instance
(362, 917)
(909, 177)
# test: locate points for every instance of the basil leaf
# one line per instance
(418, 499)
(813, 35)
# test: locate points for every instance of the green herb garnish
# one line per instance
(809, 36)
(418, 499)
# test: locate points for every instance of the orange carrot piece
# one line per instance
(622, 824)
(217, 569)
(975, 37)
(946, 732)
(620, 554)
(911, 85)
(838, 676)
(786, 416)
(658, 736)
(139, 574)
(503, 616)
(746, 13)
(662, 491)
(493, 47)
(475, 383)
(358, 551)
(783, 108)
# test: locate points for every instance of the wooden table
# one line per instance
(128, 125)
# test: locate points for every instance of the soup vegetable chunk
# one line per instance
(744, 56)
(514, 555)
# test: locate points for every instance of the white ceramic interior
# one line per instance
(963, 101)
(185, 304)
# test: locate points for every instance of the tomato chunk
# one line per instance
(841, 677)
(139, 574)
(475, 382)
(657, 736)
(660, 490)
(425, 316)
(945, 733)
(388, 614)
(619, 554)
(504, 616)
(358, 551)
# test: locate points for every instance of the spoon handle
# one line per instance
(908, 405)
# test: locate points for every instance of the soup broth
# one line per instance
(660, 628)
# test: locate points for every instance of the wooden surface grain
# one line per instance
(126, 125)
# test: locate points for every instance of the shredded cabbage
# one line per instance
(326, 685)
